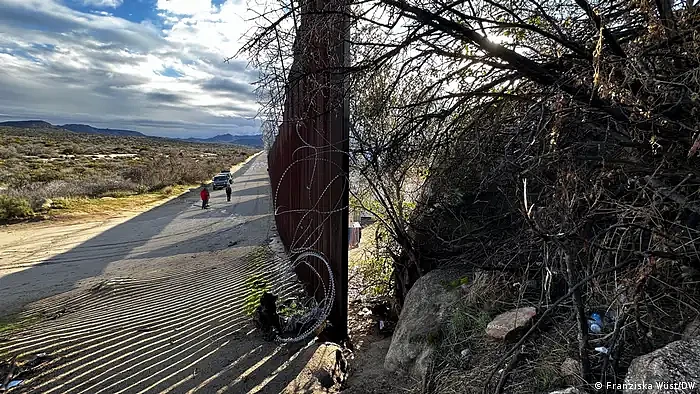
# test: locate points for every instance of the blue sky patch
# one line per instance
(137, 10)
(24, 54)
(131, 10)
(44, 47)
(170, 72)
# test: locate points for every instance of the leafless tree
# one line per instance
(543, 136)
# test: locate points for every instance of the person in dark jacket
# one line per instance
(204, 194)
(228, 191)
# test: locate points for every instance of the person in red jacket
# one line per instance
(204, 194)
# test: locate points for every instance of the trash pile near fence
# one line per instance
(14, 373)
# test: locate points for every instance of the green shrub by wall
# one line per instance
(14, 208)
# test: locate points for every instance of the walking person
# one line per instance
(228, 191)
(204, 194)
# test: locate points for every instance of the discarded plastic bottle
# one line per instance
(602, 349)
(595, 324)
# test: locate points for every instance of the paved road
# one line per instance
(158, 303)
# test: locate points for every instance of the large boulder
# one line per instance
(676, 363)
(507, 325)
(428, 306)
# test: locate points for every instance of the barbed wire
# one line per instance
(307, 235)
(299, 101)
(315, 316)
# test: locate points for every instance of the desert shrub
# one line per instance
(57, 188)
(72, 149)
(35, 192)
(173, 170)
(14, 208)
(99, 187)
(60, 204)
(32, 149)
(8, 152)
(19, 179)
(158, 167)
(94, 164)
(45, 175)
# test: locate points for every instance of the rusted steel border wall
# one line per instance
(308, 162)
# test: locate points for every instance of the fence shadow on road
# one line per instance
(219, 208)
(87, 260)
(234, 235)
(150, 230)
(185, 332)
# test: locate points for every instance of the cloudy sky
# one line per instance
(154, 66)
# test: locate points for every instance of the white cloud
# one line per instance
(69, 66)
(103, 3)
(221, 30)
(186, 7)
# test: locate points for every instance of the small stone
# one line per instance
(570, 367)
(46, 203)
(507, 324)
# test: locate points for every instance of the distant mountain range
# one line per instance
(255, 141)
(248, 140)
(78, 128)
(83, 128)
(27, 124)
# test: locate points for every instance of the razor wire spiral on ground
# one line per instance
(312, 319)
(304, 103)
(313, 313)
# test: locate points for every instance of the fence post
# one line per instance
(309, 161)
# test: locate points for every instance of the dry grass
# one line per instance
(369, 264)
(77, 170)
(13, 323)
(72, 207)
